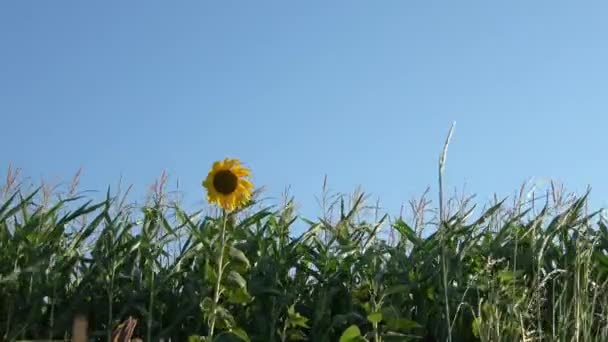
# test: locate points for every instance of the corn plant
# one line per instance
(534, 270)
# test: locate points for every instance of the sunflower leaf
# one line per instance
(238, 255)
(235, 278)
(351, 334)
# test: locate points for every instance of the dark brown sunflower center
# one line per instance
(225, 182)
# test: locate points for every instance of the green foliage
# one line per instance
(512, 273)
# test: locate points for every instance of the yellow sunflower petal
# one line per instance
(230, 163)
(241, 172)
(234, 189)
(246, 184)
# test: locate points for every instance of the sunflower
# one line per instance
(227, 185)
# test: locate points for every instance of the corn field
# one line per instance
(524, 269)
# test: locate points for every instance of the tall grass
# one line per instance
(527, 269)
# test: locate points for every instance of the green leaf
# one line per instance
(367, 306)
(375, 317)
(295, 319)
(430, 293)
(505, 276)
(351, 334)
(241, 334)
(296, 335)
(235, 278)
(207, 305)
(238, 255)
(22, 205)
(225, 318)
(488, 213)
(407, 232)
(396, 289)
(476, 325)
(239, 296)
(402, 324)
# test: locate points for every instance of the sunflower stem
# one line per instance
(220, 269)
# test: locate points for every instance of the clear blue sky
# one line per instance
(363, 91)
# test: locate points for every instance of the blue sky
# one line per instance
(361, 91)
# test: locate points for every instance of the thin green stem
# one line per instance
(110, 308)
(220, 269)
(150, 307)
(442, 230)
